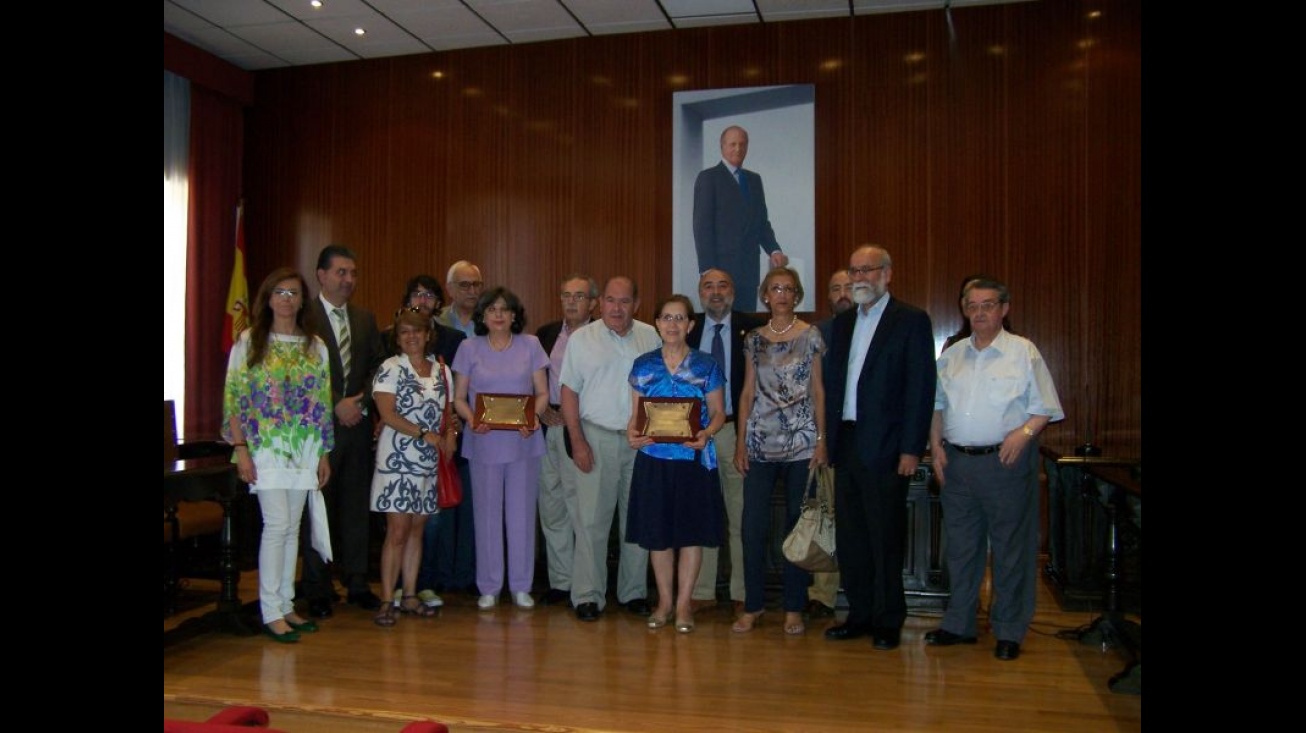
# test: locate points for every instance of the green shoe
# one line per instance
(290, 637)
(307, 626)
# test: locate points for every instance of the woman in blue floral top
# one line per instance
(675, 492)
(412, 393)
(277, 416)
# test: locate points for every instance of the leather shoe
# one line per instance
(320, 608)
(308, 626)
(886, 639)
(639, 607)
(1007, 650)
(847, 631)
(364, 599)
(943, 637)
(816, 609)
(588, 612)
(555, 596)
(289, 637)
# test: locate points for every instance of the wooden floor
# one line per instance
(542, 670)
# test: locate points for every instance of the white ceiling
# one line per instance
(265, 34)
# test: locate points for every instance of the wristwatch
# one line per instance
(1027, 431)
(421, 434)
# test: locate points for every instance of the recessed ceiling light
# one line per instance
(316, 3)
(359, 31)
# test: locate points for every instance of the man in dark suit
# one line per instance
(731, 223)
(716, 292)
(879, 405)
(557, 472)
(350, 332)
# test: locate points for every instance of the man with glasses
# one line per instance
(456, 569)
(994, 396)
(354, 345)
(464, 285)
(557, 472)
(719, 330)
(596, 406)
(879, 403)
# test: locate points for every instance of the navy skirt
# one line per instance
(674, 504)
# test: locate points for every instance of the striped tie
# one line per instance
(344, 344)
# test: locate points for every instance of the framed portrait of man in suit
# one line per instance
(744, 186)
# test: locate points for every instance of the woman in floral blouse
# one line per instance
(277, 415)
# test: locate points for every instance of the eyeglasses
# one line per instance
(575, 296)
(470, 284)
(778, 289)
(673, 318)
(423, 295)
(855, 271)
(987, 306)
(284, 292)
(408, 309)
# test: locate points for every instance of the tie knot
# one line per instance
(719, 326)
(339, 313)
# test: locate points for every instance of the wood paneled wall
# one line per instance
(1012, 148)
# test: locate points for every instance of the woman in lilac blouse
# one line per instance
(505, 464)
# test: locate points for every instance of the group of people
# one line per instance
(776, 398)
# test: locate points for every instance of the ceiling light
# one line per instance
(359, 31)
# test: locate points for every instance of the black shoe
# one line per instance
(1007, 650)
(364, 599)
(639, 607)
(320, 608)
(886, 639)
(555, 596)
(943, 637)
(587, 612)
(816, 609)
(847, 631)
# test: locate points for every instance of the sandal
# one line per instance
(747, 621)
(385, 616)
(413, 606)
(794, 625)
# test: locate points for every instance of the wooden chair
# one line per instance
(184, 524)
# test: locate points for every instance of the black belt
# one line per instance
(555, 407)
(977, 450)
(730, 418)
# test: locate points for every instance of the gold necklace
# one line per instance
(782, 331)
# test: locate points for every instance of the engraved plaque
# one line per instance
(670, 419)
(505, 411)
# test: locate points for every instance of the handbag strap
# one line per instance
(445, 417)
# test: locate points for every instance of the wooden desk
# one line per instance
(210, 478)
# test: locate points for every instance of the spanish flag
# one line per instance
(237, 315)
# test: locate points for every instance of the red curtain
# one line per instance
(217, 131)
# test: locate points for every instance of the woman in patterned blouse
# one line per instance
(277, 416)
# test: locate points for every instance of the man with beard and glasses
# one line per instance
(879, 404)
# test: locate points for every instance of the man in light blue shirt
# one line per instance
(994, 395)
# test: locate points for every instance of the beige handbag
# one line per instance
(810, 545)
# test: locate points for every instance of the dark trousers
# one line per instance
(348, 497)
(449, 543)
(756, 522)
(870, 509)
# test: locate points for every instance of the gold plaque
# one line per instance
(505, 411)
(670, 419)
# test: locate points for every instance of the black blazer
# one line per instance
(740, 324)
(365, 350)
(895, 393)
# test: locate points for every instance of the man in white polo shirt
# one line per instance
(596, 406)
